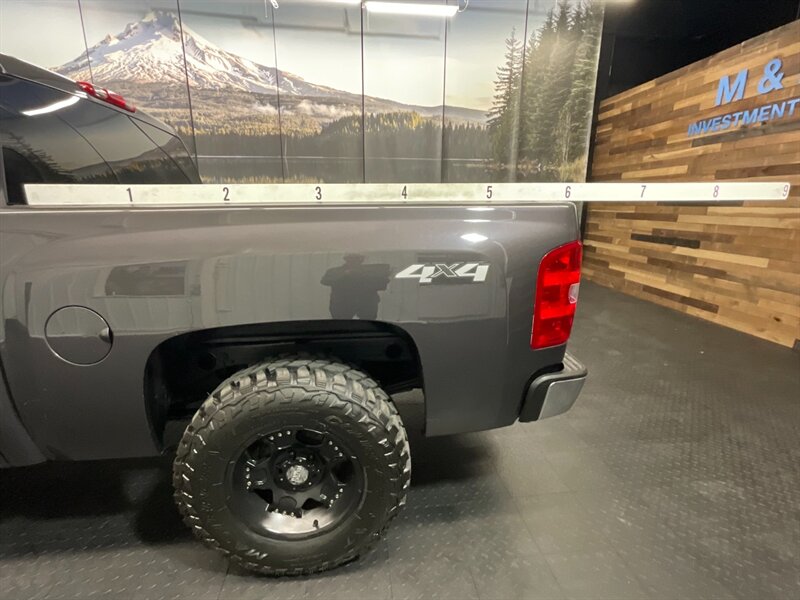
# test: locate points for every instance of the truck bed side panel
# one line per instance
(156, 273)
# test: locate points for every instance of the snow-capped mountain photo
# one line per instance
(150, 51)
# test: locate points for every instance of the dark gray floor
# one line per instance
(676, 476)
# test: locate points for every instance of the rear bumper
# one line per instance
(554, 393)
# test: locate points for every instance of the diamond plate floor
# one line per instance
(677, 475)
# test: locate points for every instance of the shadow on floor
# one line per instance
(136, 494)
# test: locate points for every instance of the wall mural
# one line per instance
(319, 90)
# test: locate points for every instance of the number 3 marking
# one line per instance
(318, 196)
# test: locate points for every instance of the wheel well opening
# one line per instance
(182, 371)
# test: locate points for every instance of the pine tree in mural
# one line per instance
(584, 74)
(504, 114)
(558, 49)
(552, 114)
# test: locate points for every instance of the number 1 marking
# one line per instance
(130, 195)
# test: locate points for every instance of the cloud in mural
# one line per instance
(265, 109)
(326, 111)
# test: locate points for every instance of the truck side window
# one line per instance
(37, 145)
(133, 156)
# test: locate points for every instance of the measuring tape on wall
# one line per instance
(143, 196)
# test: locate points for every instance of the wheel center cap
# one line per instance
(297, 474)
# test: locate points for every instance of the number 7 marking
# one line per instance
(644, 187)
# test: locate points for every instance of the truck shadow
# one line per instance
(124, 503)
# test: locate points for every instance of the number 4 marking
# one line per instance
(477, 271)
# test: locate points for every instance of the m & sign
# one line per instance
(732, 88)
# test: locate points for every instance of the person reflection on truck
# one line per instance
(355, 286)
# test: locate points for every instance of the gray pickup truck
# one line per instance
(279, 334)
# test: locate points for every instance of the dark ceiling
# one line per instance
(644, 39)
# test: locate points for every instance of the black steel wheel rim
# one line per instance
(295, 482)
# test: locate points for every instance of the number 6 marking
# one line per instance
(567, 192)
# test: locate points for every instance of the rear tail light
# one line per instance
(106, 96)
(556, 296)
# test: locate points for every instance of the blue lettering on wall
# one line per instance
(727, 92)
(772, 77)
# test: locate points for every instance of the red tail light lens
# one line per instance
(106, 96)
(556, 296)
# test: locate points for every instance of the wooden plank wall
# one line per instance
(738, 266)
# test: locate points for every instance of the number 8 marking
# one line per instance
(716, 191)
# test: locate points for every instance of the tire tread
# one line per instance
(344, 387)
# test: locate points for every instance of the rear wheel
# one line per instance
(275, 466)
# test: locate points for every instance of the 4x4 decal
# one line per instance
(426, 273)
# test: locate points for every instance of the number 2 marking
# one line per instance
(225, 191)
